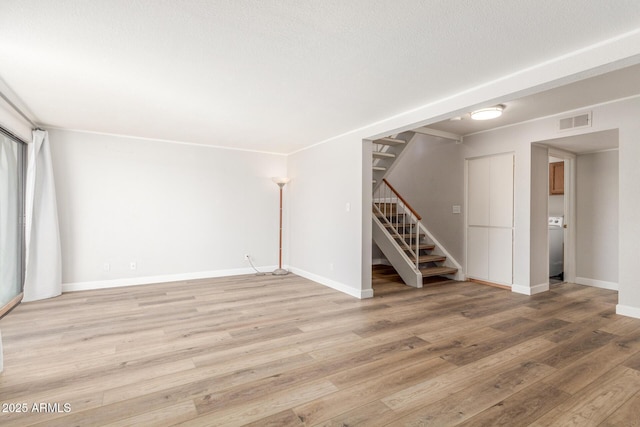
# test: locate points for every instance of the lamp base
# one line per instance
(280, 272)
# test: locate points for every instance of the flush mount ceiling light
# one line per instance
(487, 113)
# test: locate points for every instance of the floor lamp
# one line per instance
(281, 181)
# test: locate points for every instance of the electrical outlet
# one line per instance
(133, 265)
(106, 266)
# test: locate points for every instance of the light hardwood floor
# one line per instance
(276, 351)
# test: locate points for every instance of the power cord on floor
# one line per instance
(258, 273)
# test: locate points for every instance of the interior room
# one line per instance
(267, 213)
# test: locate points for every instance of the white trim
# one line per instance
(526, 290)
(358, 293)
(168, 141)
(380, 261)
(146, 280)
(424, 130)
(569, 209)
(597, 283)
(626, 310)
(604, 150)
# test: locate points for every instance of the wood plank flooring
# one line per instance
(284, 351)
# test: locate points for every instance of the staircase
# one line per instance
(397, 227)
(385, 153)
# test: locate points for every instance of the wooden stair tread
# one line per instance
(431, 258)
(389, 216)
(399, 225)
(408, 237)
(389, 141)
(437, 271)
(391, 213)
(423, 247)
(383, 155)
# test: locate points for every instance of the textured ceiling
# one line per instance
(274, 75)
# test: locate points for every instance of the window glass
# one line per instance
(12, 156)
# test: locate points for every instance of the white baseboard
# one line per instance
(625, 310)
(146, 280)
(380, 261)
(358, 293)
(597, 283)
(459, 276)
(530, 290)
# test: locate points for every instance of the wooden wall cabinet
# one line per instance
(556, 178)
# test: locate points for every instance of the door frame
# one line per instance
(569, 211)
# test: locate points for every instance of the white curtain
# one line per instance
(43, 259)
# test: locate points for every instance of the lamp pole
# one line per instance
(280, 271)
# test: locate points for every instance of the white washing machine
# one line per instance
(556, 246)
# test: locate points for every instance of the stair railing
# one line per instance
(398, 216)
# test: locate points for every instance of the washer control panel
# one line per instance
(555, 221)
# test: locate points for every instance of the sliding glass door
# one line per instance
(12, 189)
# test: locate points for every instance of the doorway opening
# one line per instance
(559, 165)
(583, 209)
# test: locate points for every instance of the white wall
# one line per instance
(597, 218)
(556, 205)
(629, 227)
(430, 176)
(622, 115)
(338, 161)
(504, 141)
(177, 210)
(326, 215)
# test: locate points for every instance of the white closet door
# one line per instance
(490, 218)
(501, 191)
(479, 179)
(501, 255)
(478, 252)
